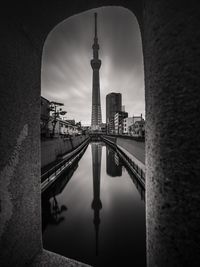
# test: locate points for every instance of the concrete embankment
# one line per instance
(51, 149)
(65, 162)
(132, 151)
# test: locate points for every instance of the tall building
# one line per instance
(113, 105)
(96, 64)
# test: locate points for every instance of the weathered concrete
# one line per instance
(132, 152)
(52, 148)
(172, 78)
(137, 149)
(53, 172)
(20, 223)
(170, 36)
(50, 259)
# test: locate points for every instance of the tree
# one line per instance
(56, 113)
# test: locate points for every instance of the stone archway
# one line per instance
(170, 47)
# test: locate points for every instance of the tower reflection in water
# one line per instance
(66, 209)
(96, 203)
(114, 167)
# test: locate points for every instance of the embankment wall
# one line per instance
(135, 148)
(52, 148)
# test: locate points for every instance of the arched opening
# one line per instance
(67, 78)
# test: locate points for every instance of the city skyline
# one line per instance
(66, 72)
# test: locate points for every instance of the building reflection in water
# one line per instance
(137, 184)
(55, 213)
(51, 212)
(114, 167)
(96, 203)
(113, 163)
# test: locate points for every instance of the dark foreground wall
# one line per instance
(52, 148)
(173, 128)
(170, 37)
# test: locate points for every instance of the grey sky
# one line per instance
(66, 70)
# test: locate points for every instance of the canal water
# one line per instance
(96, 212)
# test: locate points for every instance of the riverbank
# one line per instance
(65, 163)
(54, 148)
(132, 152)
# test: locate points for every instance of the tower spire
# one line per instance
(96, 64)
(95, 27)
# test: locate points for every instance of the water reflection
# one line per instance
(54, 211)
(115, 166)
(96, 203)
(51, 211)
(137, 184)
(113, 163)
(87, 196)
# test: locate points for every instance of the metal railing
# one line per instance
(52, 174)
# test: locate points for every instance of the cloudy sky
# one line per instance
(66, 71)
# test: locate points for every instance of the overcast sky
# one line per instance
(66, 71)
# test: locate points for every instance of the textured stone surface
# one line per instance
(171, 54)
(20, 224)
(50, 259)
(52, 148)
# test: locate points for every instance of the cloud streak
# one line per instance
(66, 71)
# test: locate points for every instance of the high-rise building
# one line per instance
(96, 64)
(113, 105)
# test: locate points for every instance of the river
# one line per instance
(96, 212)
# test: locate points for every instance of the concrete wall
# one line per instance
(52, 148)
(20, 223)
(137, 149)
(133, 153)
(112, 139)
(172, 85)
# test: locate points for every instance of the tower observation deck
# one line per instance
(96, 64)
